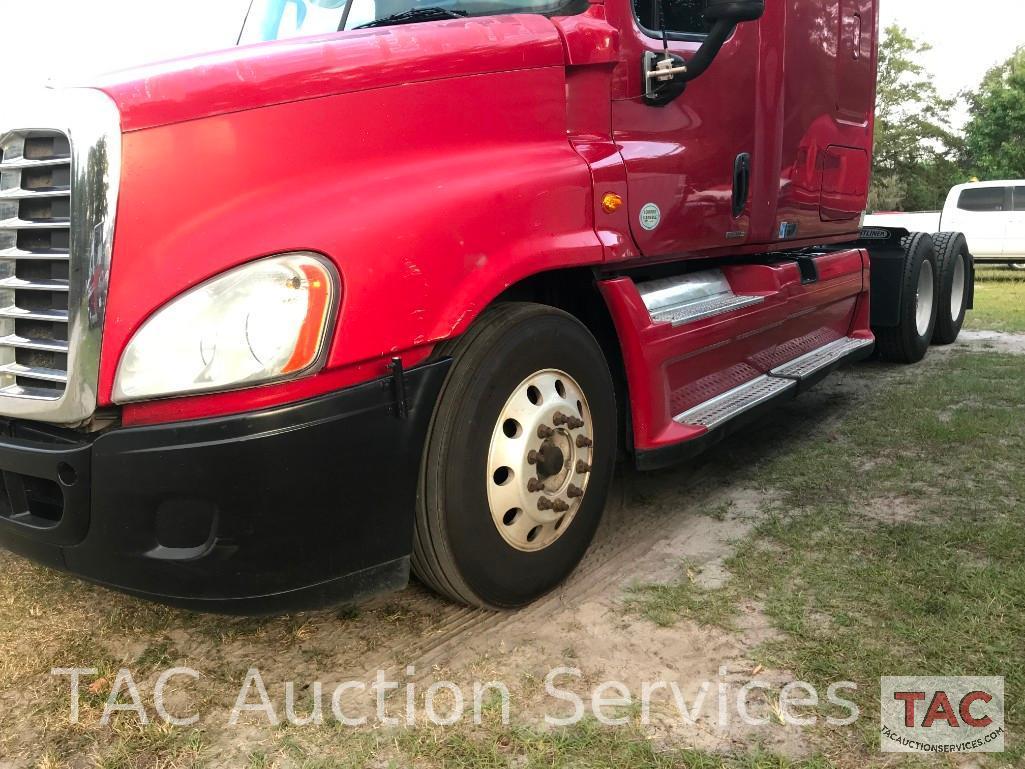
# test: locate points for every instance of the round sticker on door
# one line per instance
(651, 215)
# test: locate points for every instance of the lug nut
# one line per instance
(583, 467)
(583, 442)
(533, 457)
(559, 419)
(544, 431)
(560, 506)
(574, 423)
(544, 503)
(534, 485)
(573, 492)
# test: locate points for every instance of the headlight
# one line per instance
(260, 322)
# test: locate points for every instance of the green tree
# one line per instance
(916, 149)
(995, 134)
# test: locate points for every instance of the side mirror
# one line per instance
(666, 77)
(734, 11)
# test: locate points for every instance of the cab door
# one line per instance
(689, 163)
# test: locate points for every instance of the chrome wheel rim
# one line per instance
(924, 300)
(957, 289)
(539, 460)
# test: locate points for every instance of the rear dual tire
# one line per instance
(519, 458)
(954, 265)
(909, 341)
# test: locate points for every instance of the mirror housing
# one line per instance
(734, 11)
(726, 15)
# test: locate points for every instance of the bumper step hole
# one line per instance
(66, 474)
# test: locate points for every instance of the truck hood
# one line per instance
(279, 72)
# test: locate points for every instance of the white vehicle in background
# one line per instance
(990, 214)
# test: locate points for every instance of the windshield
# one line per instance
(279, 19)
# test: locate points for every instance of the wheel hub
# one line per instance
(552, 462)
(539, 460)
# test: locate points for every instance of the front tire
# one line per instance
(909, 340)
(954, 265)
(519, 459)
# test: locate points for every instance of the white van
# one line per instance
(990, 214)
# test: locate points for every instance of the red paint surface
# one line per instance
(436, 164)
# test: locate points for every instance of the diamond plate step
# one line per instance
(706, 308)
(807, 365)
(725, 407)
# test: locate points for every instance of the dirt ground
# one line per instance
(655, 522)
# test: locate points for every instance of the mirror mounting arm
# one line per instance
(709, 49)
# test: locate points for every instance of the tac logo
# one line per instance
(936, 714)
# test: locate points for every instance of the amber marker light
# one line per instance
(307, 347)
(611, 202)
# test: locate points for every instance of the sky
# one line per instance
(965, 43)
(96, 35)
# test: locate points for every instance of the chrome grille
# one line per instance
(60, 164)
(35, 228)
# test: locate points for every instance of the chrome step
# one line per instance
(704, 308)
(825, 356)
(725, 407)
(690, 297)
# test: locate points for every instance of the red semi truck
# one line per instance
(285, 322)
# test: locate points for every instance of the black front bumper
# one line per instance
(289, 508)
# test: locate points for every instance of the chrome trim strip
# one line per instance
(92, 123)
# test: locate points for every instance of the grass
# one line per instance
(896, 548)
(999, 300)
(892, 545)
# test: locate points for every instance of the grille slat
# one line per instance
(57, 346)
(35, 222)
(21, 284)
(21, 194)
(35, 256)
(17, 313)
(22, 164)
(35, 372)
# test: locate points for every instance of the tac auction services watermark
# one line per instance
(942, 714)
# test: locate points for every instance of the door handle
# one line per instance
(741, 183)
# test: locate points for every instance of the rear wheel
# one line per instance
(909, 340)
(953, 264)
(519, 459)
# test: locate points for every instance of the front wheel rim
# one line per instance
(924, 298)
(539, 460)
